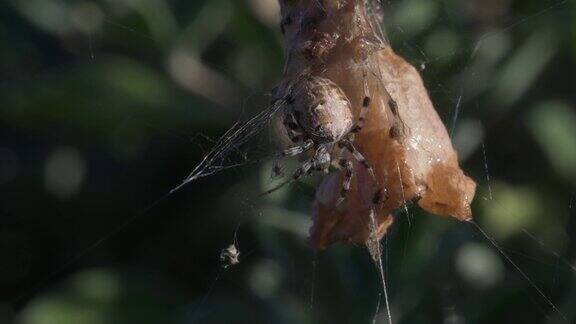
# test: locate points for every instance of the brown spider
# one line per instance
(319, 117)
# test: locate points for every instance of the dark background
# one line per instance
(107, 105)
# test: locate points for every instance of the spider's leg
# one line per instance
(303, 170)
(364, 110)
(322, 159)
(296, 150)
(381, 194)
(295, 136)
(349, 169)
(295, 132)
(358, 156)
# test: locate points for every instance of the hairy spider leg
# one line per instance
(347, 144)
(363, 112)
(295, 132)
(296, 150)
(349, 172)
(381, 193)
(303, 170)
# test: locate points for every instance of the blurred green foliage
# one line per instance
(106, 105)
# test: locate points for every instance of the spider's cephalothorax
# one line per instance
(318, 117)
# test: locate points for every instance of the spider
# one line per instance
(319, 118)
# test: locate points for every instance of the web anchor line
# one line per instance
(373, 245)
(520, 271)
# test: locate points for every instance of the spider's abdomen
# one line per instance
(322, 110)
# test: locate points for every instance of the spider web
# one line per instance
(230, 143)
(212, 162)
(234, 141)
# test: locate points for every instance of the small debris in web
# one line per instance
(230, 256)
